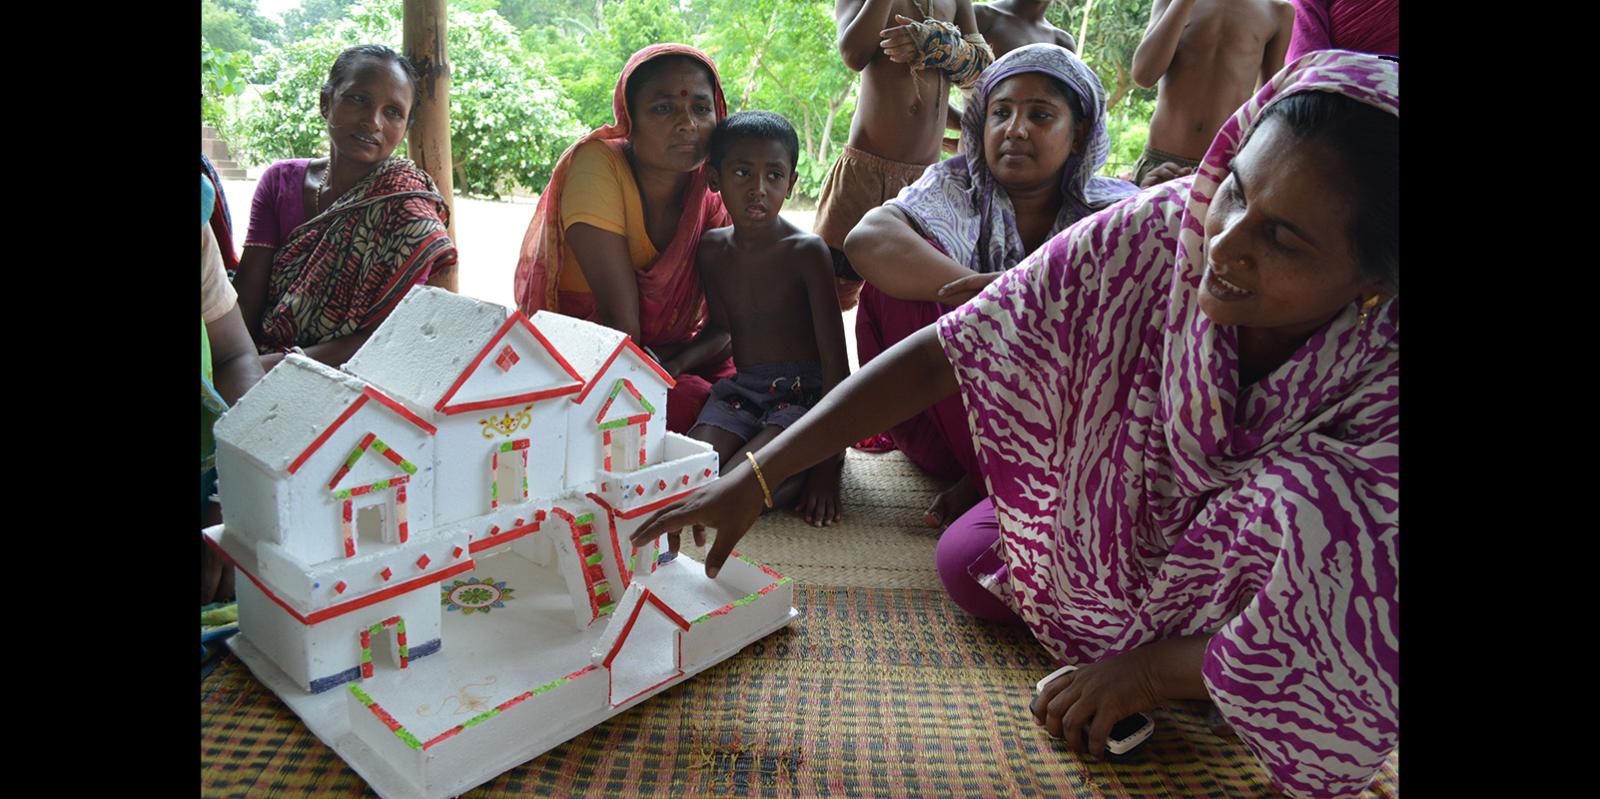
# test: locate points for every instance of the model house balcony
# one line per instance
(311, 588)
(686, 465)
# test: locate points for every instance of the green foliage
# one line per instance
(1113, 34)
(223, 29)
(222, 75)
(780, 55)
(509, 122)
(258, 26)
(776, 55)
(299, 23)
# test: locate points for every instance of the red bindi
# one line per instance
(683, 92)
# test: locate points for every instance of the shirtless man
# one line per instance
(770, 288)
(1209, 57)
(900, 115)
(1007, 25)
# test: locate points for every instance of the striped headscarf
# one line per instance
(958, 204)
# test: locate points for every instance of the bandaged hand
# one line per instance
(936, 44)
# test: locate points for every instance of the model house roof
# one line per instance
(585, 345)
(287, 411)
(429, 339)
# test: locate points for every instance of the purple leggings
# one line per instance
(963, 541)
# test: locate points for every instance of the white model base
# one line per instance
(511, 684)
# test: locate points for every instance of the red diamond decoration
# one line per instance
(506, 359)
(456, 553)
(706, 473)
(422, 562)
(386, 573)
(339, 587)
(661, 484)
(538, 517)
(686, 479)
(639, 490)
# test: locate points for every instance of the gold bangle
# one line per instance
(766, 496)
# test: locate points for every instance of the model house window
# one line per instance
(508, 476)
(370, 524)
(623, 453)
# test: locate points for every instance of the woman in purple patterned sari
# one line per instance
(1032, 140)
(1186, 413)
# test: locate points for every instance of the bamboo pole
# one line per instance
(429, 140)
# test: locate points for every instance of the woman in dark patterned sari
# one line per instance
(335, 242)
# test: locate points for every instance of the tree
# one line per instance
(509, 121)
(223, 29)
(779, 55)
(298, 23)
(259, 27)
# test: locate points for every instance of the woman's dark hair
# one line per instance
(1368, 139)
(655, 66)
(346, 63)
(759, 125)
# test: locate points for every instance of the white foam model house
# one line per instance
(464, 490)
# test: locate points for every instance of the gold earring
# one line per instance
(1366, 307)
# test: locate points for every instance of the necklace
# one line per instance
(322, 186)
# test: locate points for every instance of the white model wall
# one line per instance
(251, 497)
(311, 652)
(464, 455)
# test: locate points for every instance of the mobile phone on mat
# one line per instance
(1127, 735)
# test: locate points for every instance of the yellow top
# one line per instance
(600, 191)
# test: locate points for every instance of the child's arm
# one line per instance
(713, 340)
(1160, 43)
(859, 23)
(1278, 46)
(827, 321)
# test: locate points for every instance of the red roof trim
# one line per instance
(366, 393)
(473, 365)
(392, 405)
(594, 380)
(515, 318)
(650, 362)
(683, 624)
(542, 394)
(627, 628)
(317, 443)
(551, 348)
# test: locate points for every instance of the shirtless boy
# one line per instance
(900, 115)
(1007, 25)
(1209, 57)
(770, 286)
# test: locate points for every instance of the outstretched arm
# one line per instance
(871, 400)
(859, 23)
(892, 256)
(1160, 43)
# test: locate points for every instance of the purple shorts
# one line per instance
(763, 395)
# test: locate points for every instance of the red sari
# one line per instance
(672, 306)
